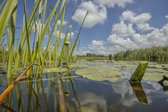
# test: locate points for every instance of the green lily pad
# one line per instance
(99, 70)
(100, 73)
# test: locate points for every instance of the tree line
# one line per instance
(148, 54)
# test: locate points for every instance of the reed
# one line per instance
(35, 27)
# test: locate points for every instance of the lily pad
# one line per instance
(100, 73)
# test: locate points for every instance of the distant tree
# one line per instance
(110, 57)
(150, 54)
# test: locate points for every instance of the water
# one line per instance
(82, 94)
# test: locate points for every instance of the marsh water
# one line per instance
(82, 93)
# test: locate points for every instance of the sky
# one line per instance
(113, 25)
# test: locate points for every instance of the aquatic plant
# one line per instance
(28, 48)
(139, 72)
(12, 85)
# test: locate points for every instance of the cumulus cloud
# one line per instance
(125, 35)
(83, 50)
(97, 43)
(64, 22)
(97, 46)
(134, 18)
(122, 29)
(62, 35)
(166, 16)
(123, 42)
(157, 37)
(112, 3)
(97, 11)
(139, 20)
(97, 14)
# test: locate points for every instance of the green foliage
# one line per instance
(147, 54)
(42, 21)
(139, 72)
(6, 13)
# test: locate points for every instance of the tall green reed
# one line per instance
(35, 27)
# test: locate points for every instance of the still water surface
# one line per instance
(85, 95)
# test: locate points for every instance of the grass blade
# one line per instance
(76, 40)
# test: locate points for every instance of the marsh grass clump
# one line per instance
(26, 46)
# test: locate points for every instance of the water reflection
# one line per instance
(91, 102)
(83, 95)
(119, 96)
(139, 92)
(6, 108)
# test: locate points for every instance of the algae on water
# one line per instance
(100, 73)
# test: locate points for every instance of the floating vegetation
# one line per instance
(60, 69)
(100, 73)
(77, 93)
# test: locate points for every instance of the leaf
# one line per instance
(11, 43)
(6, 14)
(99, 73)
(139, 92)
(139, 72)
(22, 42)
(76, 40)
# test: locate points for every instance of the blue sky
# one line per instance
(126, 24)
(114, 25)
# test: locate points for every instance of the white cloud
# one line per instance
(122, 29)
(97, 14)
(83, 51)
(97, 46)
(64, 22)
(144, 27)
(166, 16)
(97, 43)
(123, 42)
(97, 11)
(127, 35)
(139, 20)
(112, 3)
(157, 37)
(134, 18)
(138, 39)
(62, 35)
